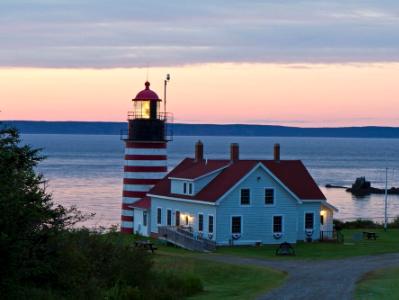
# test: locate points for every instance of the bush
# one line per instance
(394, 223)
(364, 223)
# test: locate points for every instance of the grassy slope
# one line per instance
(386, 242)
(221, 281)
(379, 285)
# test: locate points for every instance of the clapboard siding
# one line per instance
(257, 218)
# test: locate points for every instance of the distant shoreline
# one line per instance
(179, 129)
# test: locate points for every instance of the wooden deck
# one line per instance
(185, 239)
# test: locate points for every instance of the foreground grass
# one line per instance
(220, 280)
(387, 242)
(379, 285)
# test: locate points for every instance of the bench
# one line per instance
(145, 245)
(369, 235)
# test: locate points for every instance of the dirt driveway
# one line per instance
(326, 279)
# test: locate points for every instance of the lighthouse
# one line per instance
(145, 152)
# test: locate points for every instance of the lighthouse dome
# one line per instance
(146, 94)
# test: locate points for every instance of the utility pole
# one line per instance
(386, 200)
(164, 92)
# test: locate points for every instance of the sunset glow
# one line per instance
(288, 94)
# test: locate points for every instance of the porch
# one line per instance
(185, 238)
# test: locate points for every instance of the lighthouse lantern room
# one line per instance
(145, 152)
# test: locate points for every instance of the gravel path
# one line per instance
(326, 279)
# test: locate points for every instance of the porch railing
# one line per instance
(331, 236)
(185, 239)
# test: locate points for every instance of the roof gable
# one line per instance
(292, 174)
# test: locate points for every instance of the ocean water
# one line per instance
(87, 170)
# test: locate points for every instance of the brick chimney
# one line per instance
(199, 151)
(277, 152)
(234, 152)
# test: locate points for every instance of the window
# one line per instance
(169, 217)
(236, 225)
(200, 222)
(185, 188)
(190, 188)
(210, 224)
(144, 218)
(159, 216)
(309, 221)
(245, 195)
(321, 219)
(177, 218)
(269, 196)
(277, 224)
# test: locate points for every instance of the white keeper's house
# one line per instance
(236, 201)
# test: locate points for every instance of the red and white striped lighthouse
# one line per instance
(145, 152)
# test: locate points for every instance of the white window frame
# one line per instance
(282, 223)
(171, 217)
(245, 205)
(159, 208)
(264, 196)
(176, 210)
(203, 222)
(190, 188)
(213, 224)
(241, 224)
(304, 220)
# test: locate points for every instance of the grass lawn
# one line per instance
(386, 242)
(379, 285)
(220, 280)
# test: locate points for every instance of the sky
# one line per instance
(299, 63)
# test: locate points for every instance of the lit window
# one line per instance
(142, 109)
(277, 224)
(269, 196)
(236, 225)
(309, 221)
(245, 196)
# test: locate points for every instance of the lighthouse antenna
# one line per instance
(167, 78)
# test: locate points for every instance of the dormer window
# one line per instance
(188, 188)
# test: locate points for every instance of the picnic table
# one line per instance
(146, 245)
(369, 235)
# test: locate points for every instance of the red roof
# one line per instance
(144, 203)
(146, 94)
(292, 173)
(201, 168)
